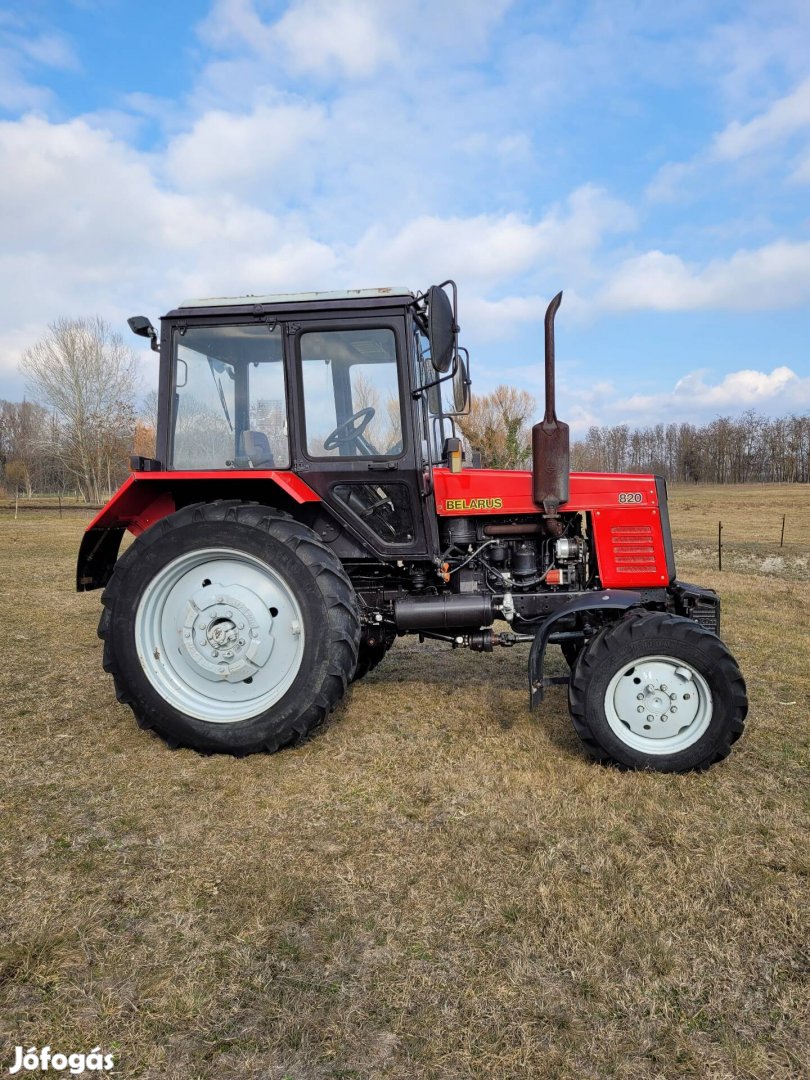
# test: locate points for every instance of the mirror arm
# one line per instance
(417, 393)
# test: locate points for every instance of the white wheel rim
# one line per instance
(219, 635)
(658, 704)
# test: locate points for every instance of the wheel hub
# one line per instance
(220, 634)
(228, 632)
(659, 703)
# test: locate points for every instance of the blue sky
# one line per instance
(651, 160)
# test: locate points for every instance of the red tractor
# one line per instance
(310, 502)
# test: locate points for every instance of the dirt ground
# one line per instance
(440, 884)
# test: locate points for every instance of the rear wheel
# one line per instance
(656, 691)
(230, 628)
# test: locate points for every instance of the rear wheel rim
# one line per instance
(658, 705)
(219, 635)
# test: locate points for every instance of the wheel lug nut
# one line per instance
(639, 697)
(640, 708)
(650, 689)
(663, 686)
(686, 697)
(674, 708)
(650, 717)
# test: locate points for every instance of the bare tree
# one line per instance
(499, 426)
(83, 370)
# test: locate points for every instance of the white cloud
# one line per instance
(783, 119)
(24, 51)
(774, 276)
(352, 36)
(745, 387)
(670, 181)
(91, 228)
(488, 250)
(779, 390)
(240, 151)
(348, 37)
(695, 398)
(747, 50)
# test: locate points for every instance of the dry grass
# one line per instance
(439, 885)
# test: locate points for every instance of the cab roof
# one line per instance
(282, 299)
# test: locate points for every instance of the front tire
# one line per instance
(229, 628)
(657, 691)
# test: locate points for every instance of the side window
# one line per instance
(351, 393)
(230, 401)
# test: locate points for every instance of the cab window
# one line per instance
(230, 400)
(351, 394)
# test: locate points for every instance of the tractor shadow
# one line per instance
(459, 689)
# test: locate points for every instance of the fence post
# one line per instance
(719, 545)
(782, 537)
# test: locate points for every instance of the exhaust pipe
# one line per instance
(551, 462)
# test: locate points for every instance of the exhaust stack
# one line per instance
(551, 463)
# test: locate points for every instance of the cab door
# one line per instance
(354, 420)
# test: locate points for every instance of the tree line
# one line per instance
(747, 449)
(79, 424)
(743, 450)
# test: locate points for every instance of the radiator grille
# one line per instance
(633, 551)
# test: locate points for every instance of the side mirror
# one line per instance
(442, 328)
(461, 385)
(140, 325)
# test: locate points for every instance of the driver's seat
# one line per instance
(256, 448)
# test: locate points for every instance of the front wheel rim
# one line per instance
(219, 635)
(658, 705)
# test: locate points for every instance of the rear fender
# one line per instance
(610, 600)
(149, 496)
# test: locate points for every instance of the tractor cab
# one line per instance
(342, 389)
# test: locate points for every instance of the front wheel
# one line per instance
(656, 691)
(229, 627)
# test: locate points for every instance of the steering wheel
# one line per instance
(350, 430)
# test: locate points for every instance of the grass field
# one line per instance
(439, 885)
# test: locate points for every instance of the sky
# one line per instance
(651, 160)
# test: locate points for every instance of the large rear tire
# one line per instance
(656, 691)
(229, 628)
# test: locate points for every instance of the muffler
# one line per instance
(551, 459)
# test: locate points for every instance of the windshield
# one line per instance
(230, 400)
